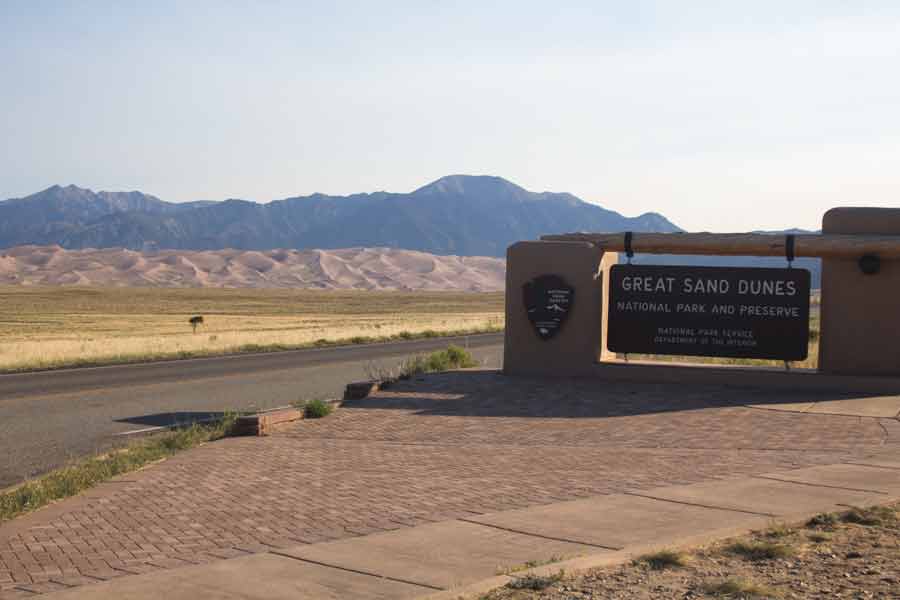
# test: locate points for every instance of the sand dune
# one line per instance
(349, 268)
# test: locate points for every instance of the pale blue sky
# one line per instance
(721, 115)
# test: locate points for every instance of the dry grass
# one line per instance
(663, 559)
(88, 472)
(47, 327)
(858, 557)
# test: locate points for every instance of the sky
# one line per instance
(723, 116)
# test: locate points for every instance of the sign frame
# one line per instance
(721, 312)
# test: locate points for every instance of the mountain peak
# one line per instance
(469, 184)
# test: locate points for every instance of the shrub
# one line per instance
(825, 520)
(664, 559)
(316, 409)
(870, 517)
(534, 582)
(739, 588)
(761, 550)
(778, 530)
(453, 357)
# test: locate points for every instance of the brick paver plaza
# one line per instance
(453, 445)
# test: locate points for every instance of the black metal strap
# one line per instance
(629, 251)
(789, 248)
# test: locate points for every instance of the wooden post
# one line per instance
(742, 244)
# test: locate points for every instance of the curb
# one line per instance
(263, 424)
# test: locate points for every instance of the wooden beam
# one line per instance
(742, 244)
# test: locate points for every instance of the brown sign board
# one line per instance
(709, 311)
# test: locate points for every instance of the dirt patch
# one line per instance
(852, 555)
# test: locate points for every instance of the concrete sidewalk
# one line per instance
(468, 555)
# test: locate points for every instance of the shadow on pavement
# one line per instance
(167, 419)
(492, 394)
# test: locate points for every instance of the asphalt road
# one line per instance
(48, 418)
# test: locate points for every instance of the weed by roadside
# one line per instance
(534, 582)
(778, 531)
(316, 409)
(739, 588)
(873, 516)
(454, 357)
(663, 559)
(87, 473)
(760, 550)
(856, 557)
(530, 564)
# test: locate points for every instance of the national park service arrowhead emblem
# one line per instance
(548, 300)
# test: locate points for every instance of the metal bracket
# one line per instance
(789, 249)
(869, 264)
(629, 251)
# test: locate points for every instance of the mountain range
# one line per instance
(455, 215)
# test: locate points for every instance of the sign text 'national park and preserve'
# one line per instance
(709, 311)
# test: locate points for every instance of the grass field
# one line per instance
(47, 327)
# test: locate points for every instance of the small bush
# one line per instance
(534, 582)
(778, 530)
(530, 564)
(871, 517)
(756, 551)
(824, 520)
(819, 537)
(453, 357)
(316, 409)
(739, 588)
(664, 559)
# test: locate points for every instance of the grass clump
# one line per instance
(819, 537)
(453, 357)
(757, 551)
(739, 588)
(87, 473)
(663, 559)
(875, 516)
(534, 582)
(316, 409)
(778, 531)
(824, 520)
(529, 564)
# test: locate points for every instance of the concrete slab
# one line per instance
(879, 461)
(621, 520)
(442, 555)
(885, 407)
(257, 577)
(847, 476)
(784, 501)
(798, 407)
